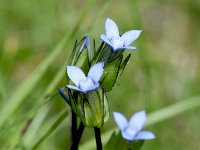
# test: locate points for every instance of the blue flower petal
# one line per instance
(128, 137)
(145, 135)
(87, 85)
(111, 29)
(75, 74)
(137, 121)
(73, 88)
(91, 88)
(130, 36)
(129, 133)
(105, 39)
(96, 72)
(121, 120)
(130, 47)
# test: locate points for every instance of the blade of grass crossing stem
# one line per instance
(30, 134)
(20, 94)
(152, 118)
(48, 90)
(14, 125)
(49, 131)
(41, 101)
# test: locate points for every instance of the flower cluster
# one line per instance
(86, 95)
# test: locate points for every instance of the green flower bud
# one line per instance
(92, 108)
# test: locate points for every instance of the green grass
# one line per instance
(162, 76)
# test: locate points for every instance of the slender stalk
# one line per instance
(98, 138)
(76, 139)
(79, 132)
(73, 146)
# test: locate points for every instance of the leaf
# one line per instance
(116, 142)
(103, 53)
(17, 98)
(73, 54)
(77, 105)
(110, 74)
(50, 130)
(83, 61)
(106, 107)
(64, 95)
(93, 108)
(123, 65)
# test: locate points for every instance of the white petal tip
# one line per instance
(108, 19)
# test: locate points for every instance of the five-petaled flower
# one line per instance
(83, 83)
(131, 130)
(113, 38)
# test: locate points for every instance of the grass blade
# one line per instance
(58, 121)
(22, 92)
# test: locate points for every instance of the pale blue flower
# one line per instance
(83, 83)
(131, 130)
(113, 38)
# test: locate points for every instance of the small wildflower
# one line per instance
(113, 38)
(131, 130)
(83, 83)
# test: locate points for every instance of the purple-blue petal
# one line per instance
(75, 74)
(145, 135)
(111, 29)
(96, 72)
(130, 36)
(126, 136)
(130, 47)
(138, 120)
(91, 88)
(105, 39)
(121, 120)
(73, 88)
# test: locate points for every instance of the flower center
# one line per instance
(86, 84)
(117, 42)
(130, 132)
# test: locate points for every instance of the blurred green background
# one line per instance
(36, 38)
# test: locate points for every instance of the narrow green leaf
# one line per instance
(49, 131)
(15, 124)
(103, 53)
(37, 121)
(123, 65)
(74, 52)
(25, 88)
(83, 61)
(110, 74)
(106, 107)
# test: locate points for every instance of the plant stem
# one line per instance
(73, 146)
(76, 137)
(98, 138)
(79, 132)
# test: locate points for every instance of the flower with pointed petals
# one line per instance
(113, 38)
(83, 83)
(131, 130)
